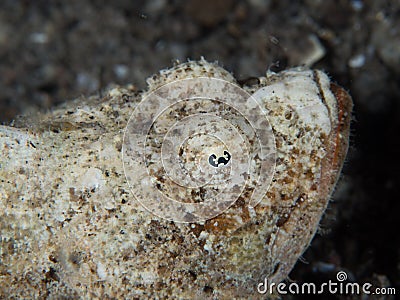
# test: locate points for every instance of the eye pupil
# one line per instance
(222, 160)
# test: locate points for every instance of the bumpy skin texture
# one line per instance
(69, 225)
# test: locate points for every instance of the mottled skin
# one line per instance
(69, 226)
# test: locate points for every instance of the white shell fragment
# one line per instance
(197, 188)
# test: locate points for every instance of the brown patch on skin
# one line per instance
(287, 180)
(221, 224)
(227, 222)
(72, 196)
(155, 224)
(337, 142)
(284, 197)
(53, 259)
(60, 126)
(291, 173)
(282, 220)
(196, 229)
(51, 275)
(268, 239)
(345, 106)
(163, 270)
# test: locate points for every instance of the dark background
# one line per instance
(52, 51)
